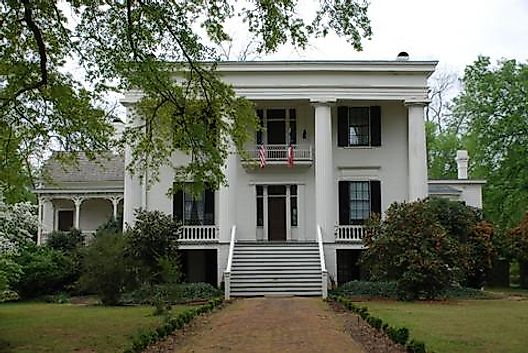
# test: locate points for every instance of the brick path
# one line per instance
(285, 325)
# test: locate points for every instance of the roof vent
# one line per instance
(403, 56)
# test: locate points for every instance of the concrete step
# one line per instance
(275, 293)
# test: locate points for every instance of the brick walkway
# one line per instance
(286, 325)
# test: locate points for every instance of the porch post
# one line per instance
(39, 231)
(324, 166)
(77, 201)
(417, 150)
(115, 203)
(265, 210)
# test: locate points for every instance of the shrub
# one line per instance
(172, 293)
(18, 225)
(368, 289)
(152, 242)
(517, 245)
(112, 226)
(420, 269)
(106, 269)
(45, 271)
(65, 241)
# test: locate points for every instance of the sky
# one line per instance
(454, 32)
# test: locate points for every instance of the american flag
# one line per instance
(291, 155)
(262, 156)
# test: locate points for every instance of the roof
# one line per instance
(443, 189)
(458, 181)
(106, 167)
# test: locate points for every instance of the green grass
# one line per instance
(466, 326)
(58, 328)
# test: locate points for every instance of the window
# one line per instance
(260, 206)
(359, 126)
(280, 126)
(358, 200)
(294, 215)
(194, 209)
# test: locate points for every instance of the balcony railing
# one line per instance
(278, 154)
(349, 233)
(199, 234)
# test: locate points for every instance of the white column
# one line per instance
(77, 201)
(324, 166)
(115, 203)
(227, 198)
(288, 212)
(301, 225)
(133, 190)
(417, 151)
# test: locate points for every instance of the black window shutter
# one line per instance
(342, 126)
(375, 126)
(209, 207)
(344, 203)
(177, 206)
(375, 196)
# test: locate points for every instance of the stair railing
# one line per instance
(227, 272)
(324, 272)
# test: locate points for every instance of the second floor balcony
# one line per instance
(279, 154)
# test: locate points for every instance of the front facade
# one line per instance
(341, 140)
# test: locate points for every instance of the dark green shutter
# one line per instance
(342, 126)
(375, 197)
(177, 206)
(209, 207)
(344, 203)
(375, 126)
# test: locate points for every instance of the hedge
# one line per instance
(399, 335)
(170, 324)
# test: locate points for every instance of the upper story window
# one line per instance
(280, 126)
(359, 126)
(194, 209)
(358, 200)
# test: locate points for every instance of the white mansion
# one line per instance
(294, 226)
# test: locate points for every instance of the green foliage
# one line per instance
(153, 244)
(65, 241)
(517, 240)
(441, 151)
(44, 271)
(171, 323)
(399, 335)
(112, 226)
(18, 225)
(421, 269)
(124, 45)
(172, 293)
(368, 289)
(493, 107)
(106, 270)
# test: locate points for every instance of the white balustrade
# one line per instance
(349, 233)
(199, 233)
(279, 153)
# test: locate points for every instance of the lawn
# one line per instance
(60, 328)
(466, 326)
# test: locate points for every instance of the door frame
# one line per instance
(300, 207)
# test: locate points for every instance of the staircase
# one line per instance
(276, 269)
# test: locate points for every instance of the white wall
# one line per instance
(95, 212)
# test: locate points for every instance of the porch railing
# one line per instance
(349, 233)
(279, 153)
(227, 272)
(324, 272)
(199, 233)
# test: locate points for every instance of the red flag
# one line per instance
(262, 156)
(291, 155)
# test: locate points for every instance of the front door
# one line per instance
(277, 218)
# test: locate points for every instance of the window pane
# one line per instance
(259, 190)
(276, 114)
(359, 201)
(358, 126)
(260, 211)
(293, 209)
(276, 190)
(293, 190)
(193, 208)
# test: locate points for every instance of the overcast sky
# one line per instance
(454, 32)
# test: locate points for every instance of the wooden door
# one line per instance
(277, 218)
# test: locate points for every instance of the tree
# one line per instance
(128, 44)
(493, 106)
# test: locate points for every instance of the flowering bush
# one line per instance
(18, 225)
